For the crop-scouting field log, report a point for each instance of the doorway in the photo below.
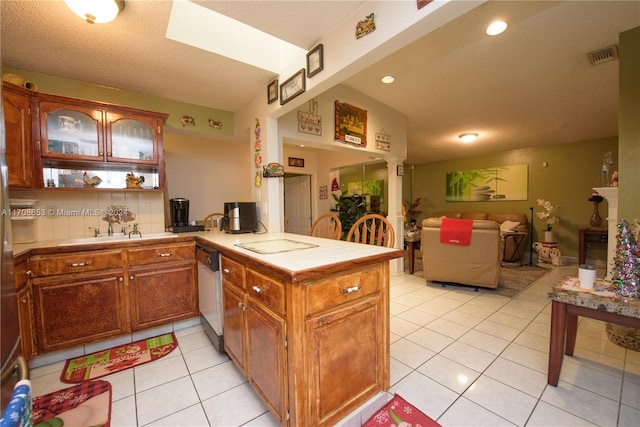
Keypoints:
(297, 203)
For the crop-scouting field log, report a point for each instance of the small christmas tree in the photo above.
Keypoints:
(625, 274)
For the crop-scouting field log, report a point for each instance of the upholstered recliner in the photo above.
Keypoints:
(513, 249)
(477, 264)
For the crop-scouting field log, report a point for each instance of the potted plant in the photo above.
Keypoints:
(549, 218)
(349, 209)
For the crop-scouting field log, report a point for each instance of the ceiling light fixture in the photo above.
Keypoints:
(468, 137)
(496, 27)
(96, 11)
(388, 79)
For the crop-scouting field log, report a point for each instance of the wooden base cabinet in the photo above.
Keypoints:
(76, 309)
(316, 350)
(162, 294)
(80, 297)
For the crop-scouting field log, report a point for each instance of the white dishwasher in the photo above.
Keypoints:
(210, 294)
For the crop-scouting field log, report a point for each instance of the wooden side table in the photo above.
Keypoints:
(519, 238)
(589, 237)
(412, 243)
(567, 305)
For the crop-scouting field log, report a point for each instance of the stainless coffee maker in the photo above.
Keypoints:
(179, 208)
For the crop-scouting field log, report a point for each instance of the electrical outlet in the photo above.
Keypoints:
(52, 212)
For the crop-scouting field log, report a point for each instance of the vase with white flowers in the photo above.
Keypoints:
(549, 217)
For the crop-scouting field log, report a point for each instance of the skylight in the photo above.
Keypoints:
(206, 29)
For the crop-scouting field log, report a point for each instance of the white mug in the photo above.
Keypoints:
(587, 275)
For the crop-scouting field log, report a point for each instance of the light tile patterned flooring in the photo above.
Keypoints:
(464, 358)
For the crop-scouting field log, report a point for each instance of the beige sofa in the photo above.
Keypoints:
(477, 264)
(499, 217)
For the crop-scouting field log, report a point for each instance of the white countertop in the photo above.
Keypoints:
(326, 252)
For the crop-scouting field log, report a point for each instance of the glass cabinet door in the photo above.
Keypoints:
(71, 132)
(131, 139)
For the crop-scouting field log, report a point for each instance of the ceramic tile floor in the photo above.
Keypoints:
(464, 358)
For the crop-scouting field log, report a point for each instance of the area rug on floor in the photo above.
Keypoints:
(86, 404)
(513, 280)
(106, 362)
(399, 412)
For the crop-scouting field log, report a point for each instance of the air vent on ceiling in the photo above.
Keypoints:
(609, 53)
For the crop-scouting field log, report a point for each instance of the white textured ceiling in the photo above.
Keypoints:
(532, 85)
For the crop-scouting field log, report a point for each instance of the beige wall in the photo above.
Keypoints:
(573, 170)
(206, 171)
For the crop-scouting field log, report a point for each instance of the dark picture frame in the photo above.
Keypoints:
(350, 124)
(296, 162)
(315, 60)
(293, 86)
(272, 92)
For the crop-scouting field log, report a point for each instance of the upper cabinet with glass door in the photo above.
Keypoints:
(77, 130)
(71, 132)
(132, 140)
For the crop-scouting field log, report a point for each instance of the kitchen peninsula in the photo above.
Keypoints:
(305, 319)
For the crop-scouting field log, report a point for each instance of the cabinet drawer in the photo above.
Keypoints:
(267, 291)
(233, 271)
(21, 274)
(331, 292)
(75, 262)
(162, 253)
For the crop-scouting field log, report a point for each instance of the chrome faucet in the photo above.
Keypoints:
(96, 231)
(135, 231)
(110, 228)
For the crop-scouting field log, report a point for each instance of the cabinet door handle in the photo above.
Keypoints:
(24, 300)
(165, 254)
(258, 289)
(355, 288)
(26, 273)
(120, 279)
(80, 264)
(101, 153)
(227, 271)
(242, 306)
(131, 277)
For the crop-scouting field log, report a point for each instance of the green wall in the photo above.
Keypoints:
(629, 125)
(175, 109)
(573, 170)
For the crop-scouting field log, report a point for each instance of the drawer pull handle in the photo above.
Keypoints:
(80, 264)
(120, 279)
(258, 289)
(355, 288)
(227, 271)
(165, 254)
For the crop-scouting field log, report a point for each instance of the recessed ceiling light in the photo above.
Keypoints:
(496, 27)
(388, 79)
(468, 137)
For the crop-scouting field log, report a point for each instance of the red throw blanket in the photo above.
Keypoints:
(456, 231)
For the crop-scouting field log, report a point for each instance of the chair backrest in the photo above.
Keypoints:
(327, 225)
(372, 229)
(208, 220)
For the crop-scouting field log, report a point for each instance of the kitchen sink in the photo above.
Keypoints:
(116, 238)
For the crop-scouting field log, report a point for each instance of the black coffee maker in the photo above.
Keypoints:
(179, 212)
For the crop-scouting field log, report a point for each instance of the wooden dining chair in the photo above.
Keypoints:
(208, 220)
(372, 229)
(328, 226)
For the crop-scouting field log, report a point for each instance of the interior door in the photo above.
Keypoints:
(297, 203)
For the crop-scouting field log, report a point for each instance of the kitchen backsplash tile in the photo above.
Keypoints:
(76, 211)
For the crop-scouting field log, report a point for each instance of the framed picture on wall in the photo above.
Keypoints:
(296, 162)
(315, 61)
(351, 124)
(323, 192)
(272, 92)
(292, 87)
